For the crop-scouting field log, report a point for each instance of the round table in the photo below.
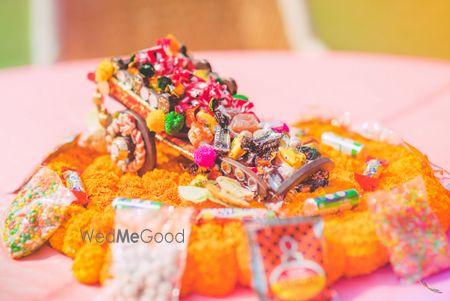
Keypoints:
(42, 106)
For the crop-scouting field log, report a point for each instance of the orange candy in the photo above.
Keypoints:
(199, 133)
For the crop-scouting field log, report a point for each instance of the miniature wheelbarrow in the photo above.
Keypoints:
(132, 145)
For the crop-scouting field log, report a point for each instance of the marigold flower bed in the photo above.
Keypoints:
(217, 253)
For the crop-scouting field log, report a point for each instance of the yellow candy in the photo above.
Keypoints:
(174, 44)
(104, 71)
(179, 90)
(236, 150)
(155, 121)
(292, 157)
(203, 74)
(199, 181)
(207, 120)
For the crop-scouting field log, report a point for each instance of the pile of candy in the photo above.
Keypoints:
(150, 267)
(190, 101)
(409, 229)
(217, 236)
(36, 213)
(290, 253)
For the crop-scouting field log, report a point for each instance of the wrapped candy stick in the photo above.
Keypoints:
(331, 203)
(234, 214)
(345, 145)
(135, 203)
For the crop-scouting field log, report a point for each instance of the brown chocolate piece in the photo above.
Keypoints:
(164, 102)
(231, 85)
(203, 65)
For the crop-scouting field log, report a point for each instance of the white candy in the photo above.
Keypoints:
(148, 271)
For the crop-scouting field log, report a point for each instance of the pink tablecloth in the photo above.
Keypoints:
(42, 106)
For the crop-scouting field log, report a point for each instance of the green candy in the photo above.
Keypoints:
(240, 96)
(147, 70)
(163, 82)
(174, 123)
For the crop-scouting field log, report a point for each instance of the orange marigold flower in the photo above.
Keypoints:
(88, 263)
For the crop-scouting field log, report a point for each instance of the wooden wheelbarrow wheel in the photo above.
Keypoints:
(150, 145)
(132, 146)
(302, 173)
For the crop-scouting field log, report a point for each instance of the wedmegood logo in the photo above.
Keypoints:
(126, 236)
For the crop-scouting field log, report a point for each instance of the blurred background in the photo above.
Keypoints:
(41, 32)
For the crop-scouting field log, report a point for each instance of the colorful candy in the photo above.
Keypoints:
(287, 258)
(135, 203)
(104, 71)
(234, 214)
(267, 142)
(147, 69)
(345, 145)
(174, 123)
(205, 156)
(236, 147)
(193, 101)
(369, 179)
(36, 213)
(310, 152)
(291, 157)
(222, 140)
(199, 133)
(244, 122)
(278, 127)
(313, 182)
(207, 119)
(331, 203)
(149, 265)
(156, 121)
(410, 231)
(74, 183)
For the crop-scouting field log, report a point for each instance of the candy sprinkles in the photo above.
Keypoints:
(36, 213)
(284, 209)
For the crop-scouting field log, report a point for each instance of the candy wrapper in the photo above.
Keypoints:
(410, 231)
(36, 213)
(331, 203)
(148, 265)
(75, 184)
(218, 214)
(287, 259)
(370, 177)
